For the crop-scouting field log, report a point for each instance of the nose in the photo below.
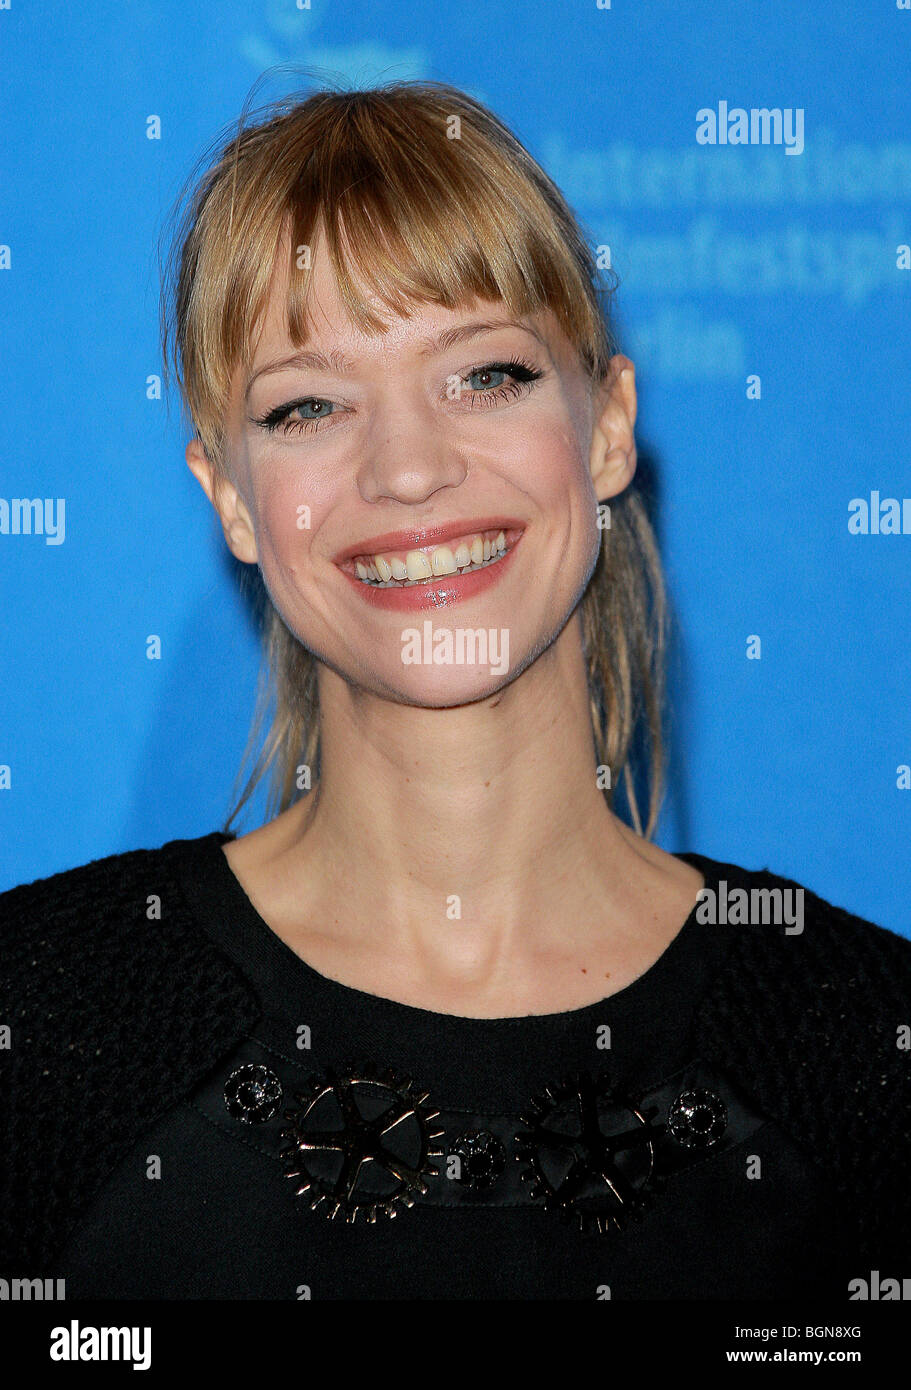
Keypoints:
(409, 456)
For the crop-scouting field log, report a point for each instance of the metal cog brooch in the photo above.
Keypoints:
(589, 1152)
(362, 1141)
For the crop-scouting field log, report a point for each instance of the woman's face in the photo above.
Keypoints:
(392, 454)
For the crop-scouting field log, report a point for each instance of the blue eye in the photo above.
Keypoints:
(522, 374)
(279, 418)
(488, 372)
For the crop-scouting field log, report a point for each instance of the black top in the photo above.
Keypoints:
(524, 1198)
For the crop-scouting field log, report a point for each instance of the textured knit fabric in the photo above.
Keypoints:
(123, 1006)
(115, 1005)
(751, 1217)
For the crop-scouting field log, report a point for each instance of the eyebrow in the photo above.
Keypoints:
(337, 362)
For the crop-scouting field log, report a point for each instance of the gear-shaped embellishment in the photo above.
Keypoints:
(361, 1142)
(252, 1093)
(482, 1158)
(697, 1119)
(589, 1152)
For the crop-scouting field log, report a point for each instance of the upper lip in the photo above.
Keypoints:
(425, 535)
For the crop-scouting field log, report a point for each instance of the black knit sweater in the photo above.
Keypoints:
(119, 1005)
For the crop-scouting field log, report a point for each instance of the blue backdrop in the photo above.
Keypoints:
(764, 295)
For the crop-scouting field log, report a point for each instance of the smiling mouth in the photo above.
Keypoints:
(406, 569)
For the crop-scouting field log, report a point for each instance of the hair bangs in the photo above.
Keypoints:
(416, 193)
(402, 228)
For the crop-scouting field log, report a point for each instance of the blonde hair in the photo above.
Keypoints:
(428, 196)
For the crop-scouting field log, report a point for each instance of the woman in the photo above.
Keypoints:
(446, 983)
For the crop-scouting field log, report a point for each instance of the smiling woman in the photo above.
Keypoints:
(412, 201)
(446, 977)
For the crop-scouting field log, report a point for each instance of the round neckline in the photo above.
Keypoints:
(286, 958)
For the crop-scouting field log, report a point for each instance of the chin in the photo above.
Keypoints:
(445, 687)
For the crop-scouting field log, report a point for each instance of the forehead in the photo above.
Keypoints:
(330, 327)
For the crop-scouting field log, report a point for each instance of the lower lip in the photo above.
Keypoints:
(435, 593)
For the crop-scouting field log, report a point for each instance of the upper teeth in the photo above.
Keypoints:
(436, 560)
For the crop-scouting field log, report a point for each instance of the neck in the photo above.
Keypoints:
(487, 815)
(491, 801)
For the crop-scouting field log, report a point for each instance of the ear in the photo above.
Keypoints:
(613, 451)
(236, 521)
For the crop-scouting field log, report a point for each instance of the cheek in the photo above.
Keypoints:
(549, 454)
(568, 496)
(553, 468)
(289, 511)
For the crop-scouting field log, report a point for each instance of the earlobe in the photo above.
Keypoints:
(612, 471)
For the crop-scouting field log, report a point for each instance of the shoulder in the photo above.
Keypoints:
(122, 910)
(114, 1001)
(99, 882)
(780, 928)
(92, 934)
(810, 1011)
